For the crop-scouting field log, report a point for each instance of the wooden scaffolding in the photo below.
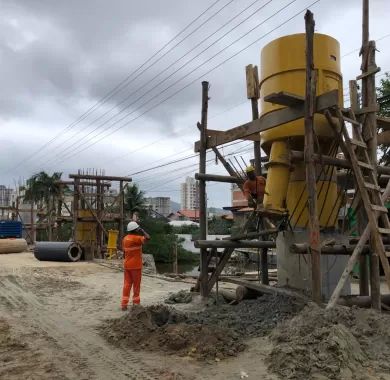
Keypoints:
(359, 159)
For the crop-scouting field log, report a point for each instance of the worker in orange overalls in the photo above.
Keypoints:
(132, 264)
(254, 188)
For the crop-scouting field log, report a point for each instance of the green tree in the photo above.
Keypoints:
(134, 199)
(163, 240)
(383, 95)
(43, 190)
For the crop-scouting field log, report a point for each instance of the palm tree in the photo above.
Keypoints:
(134, 199)
(43, 189)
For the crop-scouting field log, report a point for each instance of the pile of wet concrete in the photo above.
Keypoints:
(215, 333)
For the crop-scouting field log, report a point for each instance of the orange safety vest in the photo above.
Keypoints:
(132, 248)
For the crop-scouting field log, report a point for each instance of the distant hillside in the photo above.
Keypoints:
(175, 206)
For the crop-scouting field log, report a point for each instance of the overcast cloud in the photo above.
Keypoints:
(58, 58)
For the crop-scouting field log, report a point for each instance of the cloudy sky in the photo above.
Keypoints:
(106, 85)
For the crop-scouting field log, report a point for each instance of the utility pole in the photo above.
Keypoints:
(314, 227)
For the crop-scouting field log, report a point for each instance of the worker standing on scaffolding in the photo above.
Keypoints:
(254, 188)
(132, 265)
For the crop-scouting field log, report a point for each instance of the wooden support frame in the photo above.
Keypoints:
(270, 120)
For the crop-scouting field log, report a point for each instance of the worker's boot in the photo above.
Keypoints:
(124, 308)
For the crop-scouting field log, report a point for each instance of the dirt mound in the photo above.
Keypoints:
(161, 328)
(342, 343)
(250, 318)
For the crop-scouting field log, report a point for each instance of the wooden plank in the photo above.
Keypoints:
(368, 109)
(270, 120)
(358, 143)
(311, 180)
(368, 73)
(101, 177)
(252, 82)
(379, 208)
(284, 99)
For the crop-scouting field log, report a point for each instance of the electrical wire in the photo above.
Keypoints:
(118, 87)
(80, 142)
(193, 81)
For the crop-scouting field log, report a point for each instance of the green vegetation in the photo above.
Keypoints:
(163, 241)
(383, 94)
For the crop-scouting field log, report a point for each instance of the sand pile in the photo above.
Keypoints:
(160, 328)
(342, 343)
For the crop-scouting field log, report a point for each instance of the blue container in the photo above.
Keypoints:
(10, 229)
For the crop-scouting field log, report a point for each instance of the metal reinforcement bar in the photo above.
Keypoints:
(203, 244)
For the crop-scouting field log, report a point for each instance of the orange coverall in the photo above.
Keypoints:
(132, 265)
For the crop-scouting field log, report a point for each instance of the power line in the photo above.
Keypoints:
(358, 49)
(120, 86)
(174, 132)
(193, 81)
(80, 143)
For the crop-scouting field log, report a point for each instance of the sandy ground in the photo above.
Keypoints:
(49, 313)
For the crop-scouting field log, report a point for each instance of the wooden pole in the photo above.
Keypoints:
(370, 135)
(175, 267)
(121, 212)
(364, 289)
(253, 93)
(202, 191)
(314, 228)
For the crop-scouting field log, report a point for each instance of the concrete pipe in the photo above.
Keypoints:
(57, 251)
(13, 245)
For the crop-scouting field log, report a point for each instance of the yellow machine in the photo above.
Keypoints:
(283, 69)
(112, 243)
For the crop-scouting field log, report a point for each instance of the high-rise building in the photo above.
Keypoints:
(7, 196)
(161, 205)
(189, 194)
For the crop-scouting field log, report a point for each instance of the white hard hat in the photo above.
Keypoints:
(132, 226)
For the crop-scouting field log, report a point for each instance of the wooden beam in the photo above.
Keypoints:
(297, 156)
(101, 177)
(314, 226)
(383, 138)
(285, 99)
(270, 120)
(252, 235)
(234, 244)
(204, 290)
(383, 122)
(218, 178)
(337, 249)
